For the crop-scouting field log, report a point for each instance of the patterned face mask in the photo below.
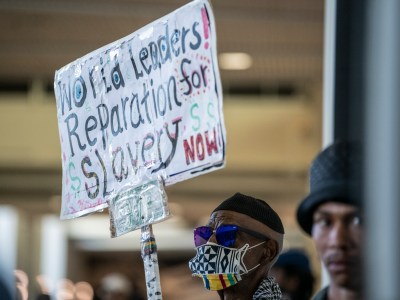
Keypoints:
(220, 267)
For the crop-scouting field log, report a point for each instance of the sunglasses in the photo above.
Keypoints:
(225, 234)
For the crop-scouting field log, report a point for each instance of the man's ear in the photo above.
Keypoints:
(270, 250)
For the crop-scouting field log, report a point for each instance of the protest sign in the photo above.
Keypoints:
(149, 103)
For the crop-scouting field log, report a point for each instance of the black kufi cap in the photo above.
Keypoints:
(254, 208)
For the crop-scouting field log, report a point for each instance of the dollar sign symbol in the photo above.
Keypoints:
(74, 179)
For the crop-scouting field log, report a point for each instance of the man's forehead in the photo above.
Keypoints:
(232, 217)
(227, 216)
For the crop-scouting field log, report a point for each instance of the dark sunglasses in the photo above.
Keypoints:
(225, 234)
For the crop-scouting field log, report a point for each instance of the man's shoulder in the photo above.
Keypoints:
(321, 295)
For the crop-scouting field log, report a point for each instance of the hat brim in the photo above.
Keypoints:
(340, 192)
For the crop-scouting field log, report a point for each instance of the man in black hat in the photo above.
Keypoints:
(331, 215)
(235, 251)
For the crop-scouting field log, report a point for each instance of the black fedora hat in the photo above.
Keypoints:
(334, 176)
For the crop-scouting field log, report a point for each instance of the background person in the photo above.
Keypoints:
(293, 273)
(117, 286)
(332, 215)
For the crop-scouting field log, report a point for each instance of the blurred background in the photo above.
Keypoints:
(273, 117)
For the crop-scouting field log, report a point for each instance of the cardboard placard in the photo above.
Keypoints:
(150, 102)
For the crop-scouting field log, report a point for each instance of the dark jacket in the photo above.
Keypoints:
(322, 294)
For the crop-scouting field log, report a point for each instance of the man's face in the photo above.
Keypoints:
(255, 255)
(257, 258)
(230, 217)
(337, 232)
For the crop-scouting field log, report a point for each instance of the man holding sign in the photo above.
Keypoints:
(140, 113)
(237, 248)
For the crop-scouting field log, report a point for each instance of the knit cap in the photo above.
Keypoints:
(254, 208)
(258, 210)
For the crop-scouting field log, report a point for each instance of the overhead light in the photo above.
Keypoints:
(235, 61)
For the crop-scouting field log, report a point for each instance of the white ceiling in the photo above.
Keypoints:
(284, 37)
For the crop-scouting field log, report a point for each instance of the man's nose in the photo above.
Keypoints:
(213, 239)
(338, 236)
